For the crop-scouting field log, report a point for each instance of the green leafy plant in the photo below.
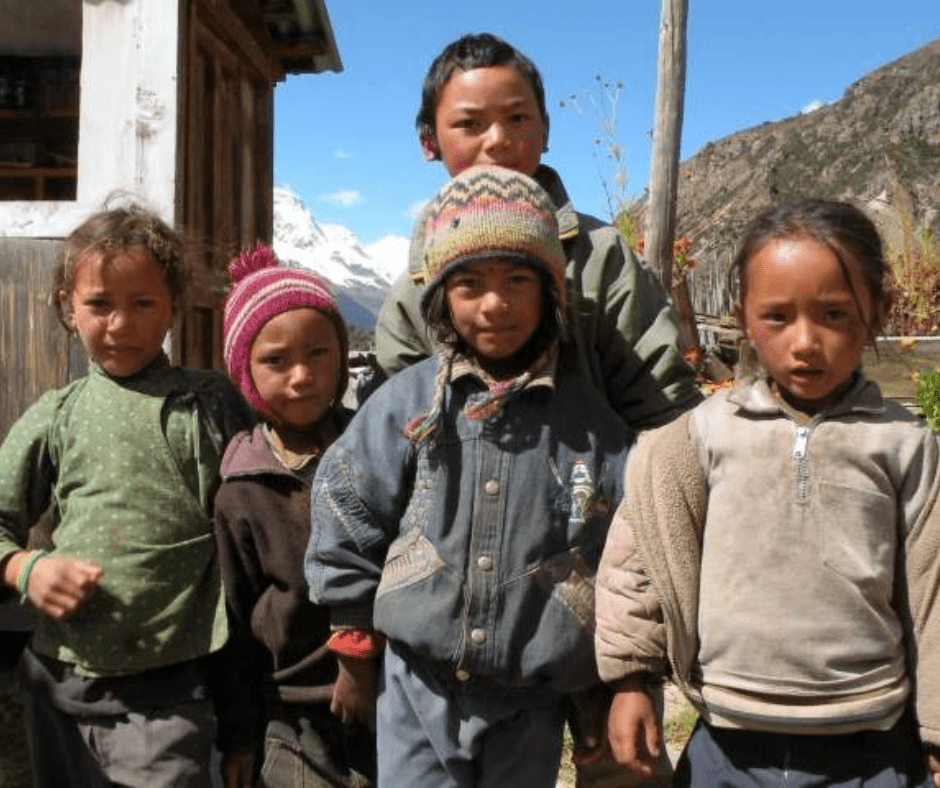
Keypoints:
(927, 396)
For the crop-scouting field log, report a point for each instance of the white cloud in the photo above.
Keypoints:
(339, 153)
(415, 208)
(812, 106)
(344, 197)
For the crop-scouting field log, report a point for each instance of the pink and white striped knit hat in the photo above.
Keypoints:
(261, 290)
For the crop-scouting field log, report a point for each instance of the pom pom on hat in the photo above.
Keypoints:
(252, 260)
(262, 289)
(491, 212)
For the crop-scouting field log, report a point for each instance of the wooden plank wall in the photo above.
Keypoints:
(36, 353)
(227, 168)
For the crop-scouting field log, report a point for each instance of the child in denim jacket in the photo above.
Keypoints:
(462, 513)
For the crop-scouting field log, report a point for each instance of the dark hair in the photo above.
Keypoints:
(476, 50)
(842, 227)
(112, 232)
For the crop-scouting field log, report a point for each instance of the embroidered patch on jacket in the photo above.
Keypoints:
(582, 491)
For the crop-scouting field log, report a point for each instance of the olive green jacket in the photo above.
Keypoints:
(622, 331)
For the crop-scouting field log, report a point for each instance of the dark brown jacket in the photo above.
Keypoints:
(277, 653)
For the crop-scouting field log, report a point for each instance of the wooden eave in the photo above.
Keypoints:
(301, 36)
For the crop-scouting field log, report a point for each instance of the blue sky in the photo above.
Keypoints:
(346, 142)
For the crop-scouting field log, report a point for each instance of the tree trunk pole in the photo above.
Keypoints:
(667, 136)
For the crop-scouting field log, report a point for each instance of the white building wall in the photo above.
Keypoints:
(128, 117)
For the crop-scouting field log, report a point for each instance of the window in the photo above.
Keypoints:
(40, 61)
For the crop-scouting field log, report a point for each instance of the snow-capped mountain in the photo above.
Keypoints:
(359, 275)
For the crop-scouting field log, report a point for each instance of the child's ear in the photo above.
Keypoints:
(65, 310)
(429, 145)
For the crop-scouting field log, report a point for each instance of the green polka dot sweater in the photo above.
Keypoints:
(130, 466)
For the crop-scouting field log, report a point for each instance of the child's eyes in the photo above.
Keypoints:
(97, 304)
(465, 283)
(466, 123)
(522, 278)
(773, 317)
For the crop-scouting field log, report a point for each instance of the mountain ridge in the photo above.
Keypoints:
(878, 146)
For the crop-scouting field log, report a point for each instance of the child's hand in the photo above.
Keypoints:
(634, 732)
(933, 766)
(354, 692)
(237, 770)
(59, 585)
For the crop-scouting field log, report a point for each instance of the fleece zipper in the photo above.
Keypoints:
(800, 452)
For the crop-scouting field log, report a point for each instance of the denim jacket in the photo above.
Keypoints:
(476, 552)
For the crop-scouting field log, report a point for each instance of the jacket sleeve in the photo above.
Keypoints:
(401, 337)
(626, 316)
(27, 474)
(922, 566)
(629, 637)
(359, 493)
(647, 583)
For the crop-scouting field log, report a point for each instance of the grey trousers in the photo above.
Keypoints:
(166, 748)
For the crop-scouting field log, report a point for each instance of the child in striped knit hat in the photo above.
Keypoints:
(461, 515)
(286, 348)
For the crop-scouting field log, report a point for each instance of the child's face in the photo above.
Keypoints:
(121, 308)
(800, 313)
(495, 306)
(295, 365)
(489, 116)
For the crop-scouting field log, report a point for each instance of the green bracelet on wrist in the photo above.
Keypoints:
(26, 569)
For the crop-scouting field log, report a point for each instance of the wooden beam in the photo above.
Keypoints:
(667, 135)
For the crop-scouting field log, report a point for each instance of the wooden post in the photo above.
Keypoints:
(667, 135)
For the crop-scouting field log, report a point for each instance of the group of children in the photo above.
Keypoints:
(423, 592)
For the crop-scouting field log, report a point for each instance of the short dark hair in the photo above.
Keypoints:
(475, 50)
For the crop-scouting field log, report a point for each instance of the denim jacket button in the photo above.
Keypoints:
(485, 563)
(461, 675)
(491, 487)
(478, 636)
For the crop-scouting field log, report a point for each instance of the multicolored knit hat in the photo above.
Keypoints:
(491, 212)
(261, 290)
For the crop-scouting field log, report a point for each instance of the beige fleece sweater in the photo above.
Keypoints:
(650, 578)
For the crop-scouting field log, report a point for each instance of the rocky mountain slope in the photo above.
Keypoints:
(879, 145)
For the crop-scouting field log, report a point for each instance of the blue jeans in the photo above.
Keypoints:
(433, 734)
(724, 758)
